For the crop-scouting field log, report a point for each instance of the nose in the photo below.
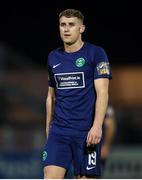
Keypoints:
(66, 28)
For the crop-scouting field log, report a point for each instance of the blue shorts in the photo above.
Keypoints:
(62, 150)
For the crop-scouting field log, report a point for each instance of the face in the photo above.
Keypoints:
(70, 29)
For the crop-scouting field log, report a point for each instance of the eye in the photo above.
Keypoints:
(62, 24)
(71, 24)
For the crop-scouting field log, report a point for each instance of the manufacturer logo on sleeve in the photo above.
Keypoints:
(80, 62)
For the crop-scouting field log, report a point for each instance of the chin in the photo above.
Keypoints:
(68, 42)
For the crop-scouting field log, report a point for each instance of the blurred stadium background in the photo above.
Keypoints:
(27, 35)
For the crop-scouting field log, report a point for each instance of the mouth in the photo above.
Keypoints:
(67, 35)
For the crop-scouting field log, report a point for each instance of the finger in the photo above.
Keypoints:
(97, 140)
(89, 140)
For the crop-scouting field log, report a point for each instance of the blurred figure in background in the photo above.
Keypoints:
(108, 134)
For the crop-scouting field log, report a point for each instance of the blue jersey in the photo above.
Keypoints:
(72, 75)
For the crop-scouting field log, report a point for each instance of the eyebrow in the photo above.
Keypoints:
(67, 23)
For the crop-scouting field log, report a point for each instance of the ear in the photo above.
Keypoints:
(82, 28)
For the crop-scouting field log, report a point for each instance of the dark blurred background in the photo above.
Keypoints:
(28, 32)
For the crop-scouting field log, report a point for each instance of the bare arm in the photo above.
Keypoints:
(50, 101)
(95, 133)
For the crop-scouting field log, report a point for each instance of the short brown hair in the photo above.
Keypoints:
(72, 13)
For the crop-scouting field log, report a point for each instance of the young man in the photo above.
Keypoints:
(77, 100)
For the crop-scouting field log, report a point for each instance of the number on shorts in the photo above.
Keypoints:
(92, 158)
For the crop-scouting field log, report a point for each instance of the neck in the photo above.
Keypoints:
(73, 47)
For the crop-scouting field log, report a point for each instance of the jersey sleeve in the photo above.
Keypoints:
(101, 66)
(51, 80)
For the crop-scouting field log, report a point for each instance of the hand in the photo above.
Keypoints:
(94, 135)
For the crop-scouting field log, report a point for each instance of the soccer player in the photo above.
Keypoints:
(77, 100)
